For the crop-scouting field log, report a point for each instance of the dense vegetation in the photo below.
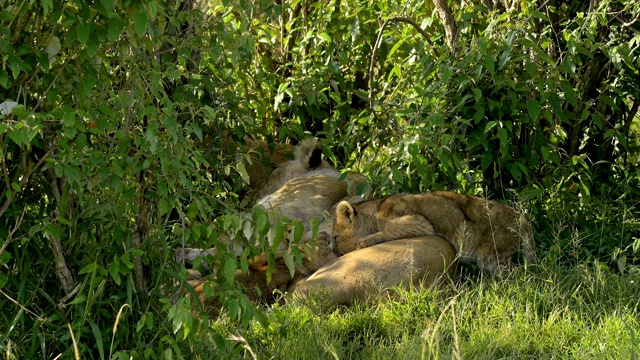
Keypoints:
(122, 137)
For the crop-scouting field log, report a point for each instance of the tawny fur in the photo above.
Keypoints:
(371, 273)
(307, 162)
(303, 188)
(254, 281)
(305, 198)
(480, 230)
(262, 159)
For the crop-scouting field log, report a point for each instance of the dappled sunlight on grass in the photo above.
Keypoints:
(546, 311)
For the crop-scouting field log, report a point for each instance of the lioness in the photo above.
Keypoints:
(307, 162)
(480, 230)
(305, 198)
(301, 188)
(254, 281)
(370, 273)
(269, 157)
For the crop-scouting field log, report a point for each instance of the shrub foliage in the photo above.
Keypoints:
(123, 124)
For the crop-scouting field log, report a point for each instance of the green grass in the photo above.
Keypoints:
(547, 311)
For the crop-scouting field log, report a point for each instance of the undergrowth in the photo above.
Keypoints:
(546, 311)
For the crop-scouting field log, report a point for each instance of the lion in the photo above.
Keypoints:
(284, 192)
(307, 162)
(480, 230)
(305, 198)
(371, 273)
(270, 157)
(256, 287)
(304, 188)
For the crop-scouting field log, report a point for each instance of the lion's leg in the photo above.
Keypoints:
(402, 227)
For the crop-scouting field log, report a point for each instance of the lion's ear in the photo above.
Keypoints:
(345, 212)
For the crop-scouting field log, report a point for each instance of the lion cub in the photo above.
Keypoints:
(480, 230)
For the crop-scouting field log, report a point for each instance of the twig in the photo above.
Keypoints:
(63, 302)
(10, 236)
(22, 307)
(23, 182)
(55, 79)
(379, 41)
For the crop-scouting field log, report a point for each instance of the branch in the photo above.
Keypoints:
(13, 231)
(23, 182)
(22, 307)
(62, 270)
(138, 234)
(379, 41)
(627, 126)
(62, 304)
(449, 23)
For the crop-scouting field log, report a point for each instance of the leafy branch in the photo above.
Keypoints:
(403, 19)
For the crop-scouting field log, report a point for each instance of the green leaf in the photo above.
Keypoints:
(289, 261)
(315, 225)
(490, 63)
(83, 31)
(540, 15)
(533, 106)
(324, 36)
(196, 130)
(247, 229)
(506, 55)
(5, 257)
(276, 235)
(52, 230)
(81, 141)
(88, 268)
(140, 22)
(69, 119)
(396, 71)
(545, 151)
(126, 259)
(230, 268)
(503, 135)
(490, 125)
(262, 223)
(394, 48)
(172, 125)
(47, 5)
(569, 93)
(4, 78)
(6, 15)
(242, 170)
(163, 207)
(115, 28)
(487, 160)
(515, 172)
(114, 270)
(108, 6)
(554, 100)
(298, 230)
(98, 337)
